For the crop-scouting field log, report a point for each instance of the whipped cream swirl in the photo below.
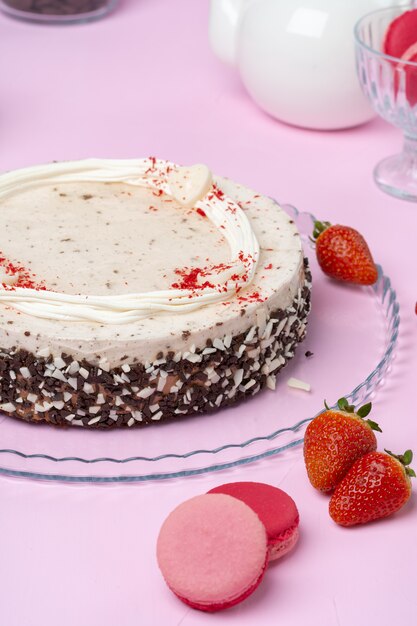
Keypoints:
(131, 307)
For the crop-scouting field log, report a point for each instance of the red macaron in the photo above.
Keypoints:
(276, 510)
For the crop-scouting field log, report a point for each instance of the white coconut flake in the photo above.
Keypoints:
(146, 393)
(58, 375)
(238, 377)
(209, 351)
(7, 406)
(42, 408)
(193, 358)
(218, 343)
(25, 372)
(295, 383)
(280, 326)
(271, 382)
(73, 368)
(250, 335)
(59, 363)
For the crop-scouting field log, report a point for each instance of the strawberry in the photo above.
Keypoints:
(376, 486)
(343, 254)
(334, 440)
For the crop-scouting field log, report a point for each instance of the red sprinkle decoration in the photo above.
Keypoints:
(193, 279)
(201, 212)
(25, 280)
(252, 297)
(190, 278)
(269, 267)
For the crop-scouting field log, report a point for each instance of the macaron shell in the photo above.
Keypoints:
(274, 507)
(212, 551)
(212, 607)
(401, 34)
(285, 544)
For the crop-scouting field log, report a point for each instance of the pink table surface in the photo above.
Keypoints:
(144, 82)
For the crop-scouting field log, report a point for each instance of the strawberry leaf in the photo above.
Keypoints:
(342, 403)
(374, 426)
(364, 410)
(407, 457)
(319, 228)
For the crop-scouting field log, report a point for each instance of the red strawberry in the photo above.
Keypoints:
(343, 254)
(376, 486)
(334, 440)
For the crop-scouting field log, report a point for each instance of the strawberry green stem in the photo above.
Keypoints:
(319, 228)
(363, 411)
(405, 460)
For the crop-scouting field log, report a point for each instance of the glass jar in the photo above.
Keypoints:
(57, 11)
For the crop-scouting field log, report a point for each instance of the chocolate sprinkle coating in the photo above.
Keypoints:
(61, 391)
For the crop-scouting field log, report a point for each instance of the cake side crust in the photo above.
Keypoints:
(65, 392)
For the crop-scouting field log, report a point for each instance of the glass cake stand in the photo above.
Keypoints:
(352, 334)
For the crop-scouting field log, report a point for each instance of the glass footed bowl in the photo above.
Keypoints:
(351, 331)
(390, 83)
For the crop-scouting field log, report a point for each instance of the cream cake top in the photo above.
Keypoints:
(113, 239)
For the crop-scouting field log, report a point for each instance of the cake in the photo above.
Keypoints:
(137, 291)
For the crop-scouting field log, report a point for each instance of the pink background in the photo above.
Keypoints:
(142, 82)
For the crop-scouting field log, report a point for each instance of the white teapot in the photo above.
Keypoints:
(296, 57)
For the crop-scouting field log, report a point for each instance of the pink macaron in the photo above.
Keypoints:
(276, 510)
(212, 551)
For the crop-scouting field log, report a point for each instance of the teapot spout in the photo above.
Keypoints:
(223, 27)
